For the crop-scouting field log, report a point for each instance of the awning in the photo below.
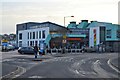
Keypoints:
(76, 35)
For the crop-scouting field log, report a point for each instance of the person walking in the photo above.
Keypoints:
(35, 50)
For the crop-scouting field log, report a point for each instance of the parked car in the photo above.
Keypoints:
(26, 50)
(10, 47)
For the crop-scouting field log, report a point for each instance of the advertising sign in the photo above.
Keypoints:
(94, 31)
(94, 36)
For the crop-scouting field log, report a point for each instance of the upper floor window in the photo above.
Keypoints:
(28, 35)
(39, 34)
(20, 36)
(33, 35)
(43, 34)
(108, 33)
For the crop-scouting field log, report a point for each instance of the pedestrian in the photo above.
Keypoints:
(35, 50)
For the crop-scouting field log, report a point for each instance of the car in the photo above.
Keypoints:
(10, 47)
(26, 50)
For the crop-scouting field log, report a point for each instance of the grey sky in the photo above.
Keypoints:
(19, 11)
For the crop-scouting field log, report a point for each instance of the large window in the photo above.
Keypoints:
(20, 43)
(33, 35)
(28, 35)
(20, 36)
(32, 43)
(28, 43)
(36, 42)
(118, 33)
(39, 34)
(43, 34)
(109, 33)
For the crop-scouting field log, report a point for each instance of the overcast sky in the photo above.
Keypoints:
(13, 12)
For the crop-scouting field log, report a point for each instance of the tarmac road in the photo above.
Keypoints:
(87, 65)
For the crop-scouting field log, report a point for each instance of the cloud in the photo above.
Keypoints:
(18, 11)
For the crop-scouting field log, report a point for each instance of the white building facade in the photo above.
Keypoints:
(31, 37)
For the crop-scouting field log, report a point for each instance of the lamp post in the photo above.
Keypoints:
(64, 37)
(66, 17)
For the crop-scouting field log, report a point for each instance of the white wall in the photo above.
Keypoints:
(25, 35)
(91, 36)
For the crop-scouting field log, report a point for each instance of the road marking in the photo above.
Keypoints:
(15, 73)
(35, 77)
(112, 66)
(77, 71)
(81, 73)
(101, 72)
(96, 61)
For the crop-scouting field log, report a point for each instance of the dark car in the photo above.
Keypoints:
(26, 50)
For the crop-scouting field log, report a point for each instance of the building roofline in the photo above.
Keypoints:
(37, 23)
(44, 23)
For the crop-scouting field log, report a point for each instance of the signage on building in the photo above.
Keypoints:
(64, 41)
(94, 31)
(64, 36)
(72, 39)
(94, 36)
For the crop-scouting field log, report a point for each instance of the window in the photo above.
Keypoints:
(36, 42)
(28, 43)
(28, 35)
(43, 34)
(39, 34)
(118, 33)
(20, 36)
(109, 32)
(32, 43)
(20, 43)
(33, 35)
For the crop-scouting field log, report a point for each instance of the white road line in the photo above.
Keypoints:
(112, 66)
(96, 61)
(77, 71)
(14, 73)
(101, 72)
(35, 77)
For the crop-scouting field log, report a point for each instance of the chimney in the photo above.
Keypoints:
(93, 21)
(73, 22)
(84, 21)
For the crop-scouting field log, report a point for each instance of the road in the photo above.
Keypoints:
(83, 65)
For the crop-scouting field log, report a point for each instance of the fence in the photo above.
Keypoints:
(54, 51)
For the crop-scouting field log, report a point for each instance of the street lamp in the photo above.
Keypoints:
(66, 17)
(64, 36)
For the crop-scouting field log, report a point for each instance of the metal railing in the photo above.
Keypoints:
(54, 51)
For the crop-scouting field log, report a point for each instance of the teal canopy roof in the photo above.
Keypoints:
(83, 25)
(76, 35)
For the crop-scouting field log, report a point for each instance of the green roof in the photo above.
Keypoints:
(83, 25)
